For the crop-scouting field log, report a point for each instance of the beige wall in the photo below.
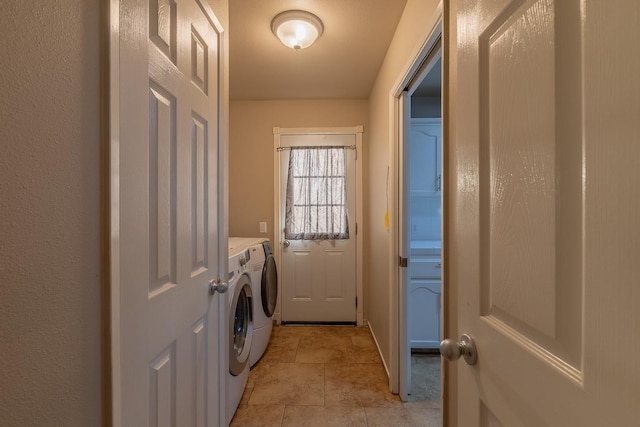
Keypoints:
(50, 321)
(50, 214)
(408, 39)
(251, 196)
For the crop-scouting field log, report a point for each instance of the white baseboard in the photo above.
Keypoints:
(386, 368)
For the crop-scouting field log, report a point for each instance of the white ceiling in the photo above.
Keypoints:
(343, 63)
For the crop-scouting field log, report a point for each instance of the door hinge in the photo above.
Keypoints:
(356, 302)
(356, 228)
(403, 262)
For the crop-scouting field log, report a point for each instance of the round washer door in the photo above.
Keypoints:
(241, 323)
(269, 286)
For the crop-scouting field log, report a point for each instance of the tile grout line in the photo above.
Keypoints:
(324, 385)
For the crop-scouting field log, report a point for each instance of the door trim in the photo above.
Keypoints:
(110, 146)
(277, 235)
(112, 211)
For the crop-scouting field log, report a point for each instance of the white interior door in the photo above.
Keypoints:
(544, 210)
(168, 215)
(404, 233)
(318, 277)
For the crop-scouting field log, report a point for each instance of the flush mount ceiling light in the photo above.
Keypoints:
(297, 29)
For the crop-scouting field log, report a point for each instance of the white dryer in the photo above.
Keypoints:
(264, 278)
(240, 315)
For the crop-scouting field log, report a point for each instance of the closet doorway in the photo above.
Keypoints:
(420, 229)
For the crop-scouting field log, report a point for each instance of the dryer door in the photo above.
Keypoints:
(241, 323)
(269, 286)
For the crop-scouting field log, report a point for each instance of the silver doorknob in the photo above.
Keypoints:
(286, 243)
(217, 286)
(466, 347)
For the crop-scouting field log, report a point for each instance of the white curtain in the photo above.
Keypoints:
(316, 207)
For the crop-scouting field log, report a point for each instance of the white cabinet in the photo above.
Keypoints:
(425, 185)
(424, 302)
(425, 157)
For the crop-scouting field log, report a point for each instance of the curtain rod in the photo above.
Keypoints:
(348, 147)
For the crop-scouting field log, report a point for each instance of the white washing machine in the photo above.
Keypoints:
(240, 298)
(264, 279)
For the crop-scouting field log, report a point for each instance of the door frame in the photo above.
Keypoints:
(110, 212)
(435, 28)
(357, 131)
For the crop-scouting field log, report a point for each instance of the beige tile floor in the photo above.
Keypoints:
(332, 376)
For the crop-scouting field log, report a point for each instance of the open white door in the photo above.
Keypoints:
(544, 210)
(404, 351)
(167, 214)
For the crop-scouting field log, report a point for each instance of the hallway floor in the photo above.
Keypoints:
(333, 376)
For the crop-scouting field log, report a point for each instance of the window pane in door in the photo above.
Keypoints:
(316, 194)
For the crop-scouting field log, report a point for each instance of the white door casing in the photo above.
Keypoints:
(168, 213)
(319, 280)
(544, 211)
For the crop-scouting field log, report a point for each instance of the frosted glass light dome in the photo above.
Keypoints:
(297, 29)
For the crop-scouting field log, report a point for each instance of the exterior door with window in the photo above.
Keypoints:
(318, 229)
(544, 211)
